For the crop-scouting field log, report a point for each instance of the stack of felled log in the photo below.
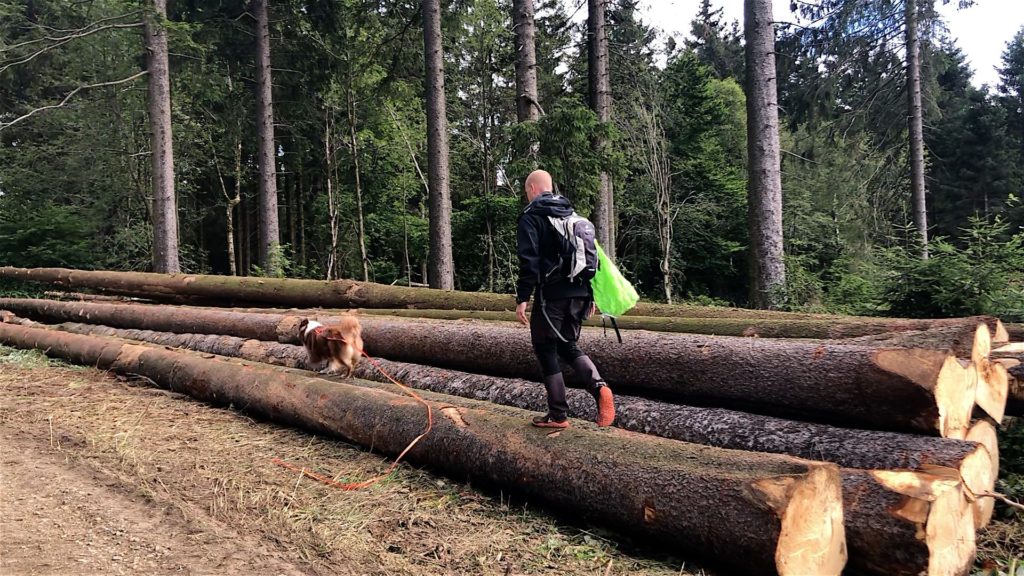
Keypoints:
(789, 443)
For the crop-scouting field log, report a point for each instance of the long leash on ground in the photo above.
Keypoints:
(358, 485)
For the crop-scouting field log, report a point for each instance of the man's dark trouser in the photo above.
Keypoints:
(567, 316)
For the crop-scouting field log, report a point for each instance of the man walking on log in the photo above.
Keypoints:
(563, 300)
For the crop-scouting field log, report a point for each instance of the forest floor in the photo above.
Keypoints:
(100, 474)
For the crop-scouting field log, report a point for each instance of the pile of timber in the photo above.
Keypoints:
(903, 411)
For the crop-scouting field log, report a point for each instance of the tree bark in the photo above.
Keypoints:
(269, 233)
(347, 294)
(851, 330)
(773, 514)
(354, 146)
(442, 267)
(165, 208)
(332, 203)
(601, 104)
(764, 176)
(527, 99)
(915, 129)
(966, 339)
(914, 541)
(230, 202)
(966, 342)
(927, 527)
(896, 389)
(1014, 333)
(849, 448)
(269, 327)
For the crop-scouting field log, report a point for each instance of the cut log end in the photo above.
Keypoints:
(936, 504)
(813, 540)
(955, 391)
(982, 346)
(983, 432)
(977, 472)
(993, 388)
(950, 533)
(1001, 334)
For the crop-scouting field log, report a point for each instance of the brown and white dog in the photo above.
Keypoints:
(340, 344)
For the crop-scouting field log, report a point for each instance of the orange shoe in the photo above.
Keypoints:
(605, 406)
(546, 421)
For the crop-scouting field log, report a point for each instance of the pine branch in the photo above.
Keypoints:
(68, 97)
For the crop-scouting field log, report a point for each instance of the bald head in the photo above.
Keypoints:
(537, 183)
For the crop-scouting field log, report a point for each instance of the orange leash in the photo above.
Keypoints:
(357, 485)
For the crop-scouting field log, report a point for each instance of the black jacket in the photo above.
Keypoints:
(538, 251)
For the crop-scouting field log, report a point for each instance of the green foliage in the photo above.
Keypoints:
(75, 183)
(984, 276)
(47, 235)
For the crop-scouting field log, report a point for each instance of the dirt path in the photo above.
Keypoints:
(60, 516)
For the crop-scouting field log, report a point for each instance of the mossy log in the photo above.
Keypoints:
(349, 294)
(752, 513)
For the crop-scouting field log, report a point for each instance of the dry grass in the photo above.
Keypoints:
(214, 467)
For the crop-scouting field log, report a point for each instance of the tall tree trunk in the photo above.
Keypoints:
(232, 202)
(294, 205)
(405, 204)
(764, 176)
(601, 103)
(527, 100)
(442, 267)
(332, 205)
(915, 125)
(165, 210)
(302, 216)
(269, 233)
(354, 146)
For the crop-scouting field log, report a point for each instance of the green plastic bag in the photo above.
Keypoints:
(613, 294)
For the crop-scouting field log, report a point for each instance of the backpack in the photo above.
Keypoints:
(577, 250)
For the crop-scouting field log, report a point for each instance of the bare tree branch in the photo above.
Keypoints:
(80, 33)
(68, 97)
(62, 42)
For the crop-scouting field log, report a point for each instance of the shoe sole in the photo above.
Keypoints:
(551, 424)
(605, 407)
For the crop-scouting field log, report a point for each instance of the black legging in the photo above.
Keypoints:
(548, 353)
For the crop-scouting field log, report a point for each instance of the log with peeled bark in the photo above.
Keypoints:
(771, 513)
(894, 389)
(849, 448)
(348, 294)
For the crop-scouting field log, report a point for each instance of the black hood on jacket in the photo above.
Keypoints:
(548, 204)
